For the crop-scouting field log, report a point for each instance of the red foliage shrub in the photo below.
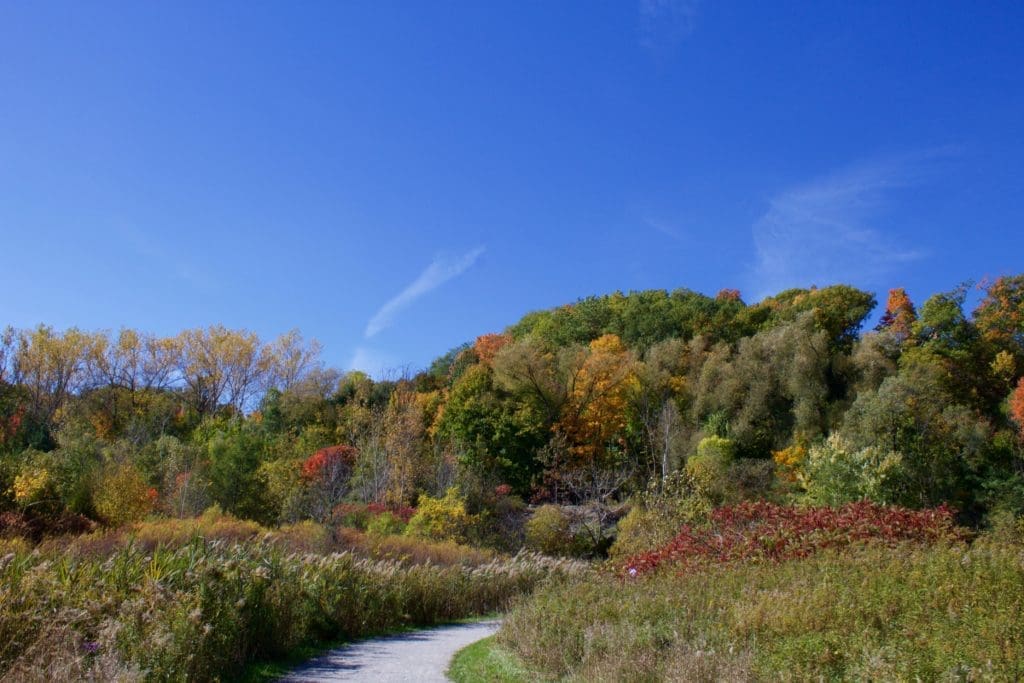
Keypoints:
(764, 531)
(328, 459)
(9, 426)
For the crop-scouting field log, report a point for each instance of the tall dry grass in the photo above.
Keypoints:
(948, 612)
(198, 601)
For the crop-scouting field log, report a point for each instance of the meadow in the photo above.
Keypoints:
(202, 599)
(917, 609)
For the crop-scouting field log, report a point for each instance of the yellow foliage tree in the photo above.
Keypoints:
(597, 410)
(441, 519)
(31, 485)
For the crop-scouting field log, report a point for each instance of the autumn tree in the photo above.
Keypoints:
(662, 384)
(899, 316)
(537, 375)
(403, 442)
(327, 475)
(292, 360)
(595, 416)
(838, 310)
(52, 367)
(728, 295)
(1000, 315)
(487, 347)
(1016, 408)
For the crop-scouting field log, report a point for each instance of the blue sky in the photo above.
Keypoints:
(396, 178)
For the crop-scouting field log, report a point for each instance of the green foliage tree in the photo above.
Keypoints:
(939, 441)
(234, 451)
(495, 436)
(834, 473)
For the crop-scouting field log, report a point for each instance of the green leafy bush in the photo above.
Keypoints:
(549, 530)
(657, 514)
(834, 473)
(709, 466)
(385, 524)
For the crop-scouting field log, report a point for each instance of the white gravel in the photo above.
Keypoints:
(420, 656)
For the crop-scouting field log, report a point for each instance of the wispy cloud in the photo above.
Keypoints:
(834, 229)
(442, 269)
(665, 23)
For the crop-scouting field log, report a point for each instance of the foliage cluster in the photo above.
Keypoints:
(581, 405)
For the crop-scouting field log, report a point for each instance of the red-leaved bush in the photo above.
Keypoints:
(327, 460)
(764, 531)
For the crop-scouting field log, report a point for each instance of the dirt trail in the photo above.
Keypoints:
(421, 656)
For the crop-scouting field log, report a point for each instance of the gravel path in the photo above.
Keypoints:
(420, 656)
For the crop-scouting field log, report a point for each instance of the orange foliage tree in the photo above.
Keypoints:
(1017, 407)
(488, 345)
(899, 314)
(596, 411)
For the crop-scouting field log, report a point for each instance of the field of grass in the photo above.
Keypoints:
(911, 612)
(203, 601)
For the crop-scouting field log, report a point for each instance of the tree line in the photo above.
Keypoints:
(590, 402)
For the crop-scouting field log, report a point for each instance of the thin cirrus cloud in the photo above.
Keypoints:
(441, 270)
(834, 229)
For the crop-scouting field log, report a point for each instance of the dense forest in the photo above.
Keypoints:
(788, 399)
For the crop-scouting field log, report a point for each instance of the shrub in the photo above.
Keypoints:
(386, 524)
(122, 495)
(657, 514)
(32, 484)
(709, 466)
(549, 530)
(764, 531)
(442, 519)
(359, 515)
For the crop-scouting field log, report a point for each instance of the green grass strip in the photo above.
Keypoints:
(486, 660)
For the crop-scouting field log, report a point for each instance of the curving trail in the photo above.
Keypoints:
(420, 656)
